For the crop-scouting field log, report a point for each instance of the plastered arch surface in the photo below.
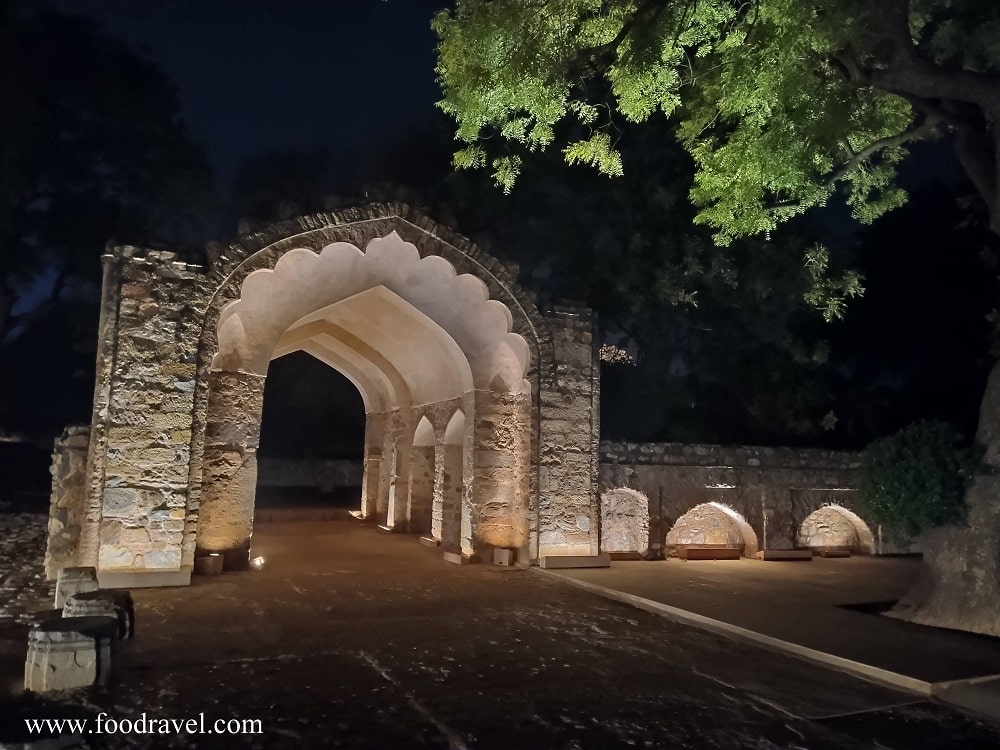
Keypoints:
(713, 523)
(624, 521)
(389, 297)
(836, 526)
(454, 433)
(423, 436)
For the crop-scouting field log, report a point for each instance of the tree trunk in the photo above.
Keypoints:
(960, 587)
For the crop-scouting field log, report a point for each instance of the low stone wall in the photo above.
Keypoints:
(326, 475)
(68, 502)
(774, 489)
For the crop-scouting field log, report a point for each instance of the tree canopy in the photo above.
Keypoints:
(780, 103)
(92, 147)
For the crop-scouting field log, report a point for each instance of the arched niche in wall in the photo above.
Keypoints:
(713, 523)
(834, 526)
(624, 522)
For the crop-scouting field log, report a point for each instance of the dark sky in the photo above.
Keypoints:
(259, 75)
(357, 76)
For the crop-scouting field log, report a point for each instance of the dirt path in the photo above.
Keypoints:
(351, 638)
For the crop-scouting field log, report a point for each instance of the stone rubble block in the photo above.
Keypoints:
(115, 603)
(74, 581)
(71, 652)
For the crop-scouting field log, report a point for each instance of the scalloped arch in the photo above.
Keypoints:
(303, 282)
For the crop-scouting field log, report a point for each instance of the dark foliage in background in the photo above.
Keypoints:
(92, 148)
(915, 479)
(310, 411)
(726, 348)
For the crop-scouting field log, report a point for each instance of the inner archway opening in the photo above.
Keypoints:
(309, 461)
(422, 345)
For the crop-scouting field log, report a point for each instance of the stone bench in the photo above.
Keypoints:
(709, 552)
(634, 555)
(832, 551)
(211, 564)
(115, 603)
(71, 652)
(785, 554)
(73, 581)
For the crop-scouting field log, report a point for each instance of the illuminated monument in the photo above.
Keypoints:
(481, 409)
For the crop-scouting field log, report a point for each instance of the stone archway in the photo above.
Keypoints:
(417, 339)
(836, 526)
(426, 326)
(713, 523)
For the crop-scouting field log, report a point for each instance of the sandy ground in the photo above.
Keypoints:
(829, 605)
(357, 639)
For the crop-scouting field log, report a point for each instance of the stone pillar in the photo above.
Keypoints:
(437, 492)
(387, 469)
(569, 430)
(372, 473)
(229, 484)
(68, 502)
(421, 489)
(501, 466)
(400, 434)
(107, 338)
(452, 483)
(371, 480)
(139, 458)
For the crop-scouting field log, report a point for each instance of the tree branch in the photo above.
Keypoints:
(976, 152)
(627, 27)
(977, 162)
(858, 157)
(898, 66)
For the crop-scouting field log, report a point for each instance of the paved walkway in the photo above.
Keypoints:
(355, 639)
(811, 608)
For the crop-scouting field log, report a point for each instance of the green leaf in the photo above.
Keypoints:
(596, 151)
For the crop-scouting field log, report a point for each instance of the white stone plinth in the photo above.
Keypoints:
(575, 561)
(71, 652)
(74, 581)
(503, 557)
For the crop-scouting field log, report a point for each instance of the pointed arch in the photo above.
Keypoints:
(423, 436)
(836, 526)
(713, 523)
(454, 433)
(304, 286)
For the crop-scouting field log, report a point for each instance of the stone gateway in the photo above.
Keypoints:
(481, 408)
(481, 413)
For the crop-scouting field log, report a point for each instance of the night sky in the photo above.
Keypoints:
(258, 75)
(355, 78)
